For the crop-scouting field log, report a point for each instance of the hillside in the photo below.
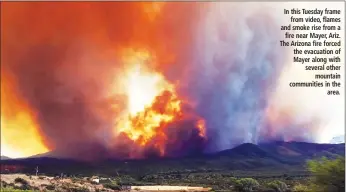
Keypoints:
(285, 155)
(2, 157)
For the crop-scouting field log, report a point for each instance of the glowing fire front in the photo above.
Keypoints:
(19, 127)
(152, 104)
(132, 111)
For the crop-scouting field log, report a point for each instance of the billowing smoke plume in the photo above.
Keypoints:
(66, 60)
(236, 67)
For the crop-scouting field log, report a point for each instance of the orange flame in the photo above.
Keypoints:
(201, 127)
(19, 130)
(152, 9)
(152, 102)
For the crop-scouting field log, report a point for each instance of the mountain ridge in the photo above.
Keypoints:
(292, 148)
(2, 157)
(246, 156)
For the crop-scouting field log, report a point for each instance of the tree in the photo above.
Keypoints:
(328, 175)
(246, 185)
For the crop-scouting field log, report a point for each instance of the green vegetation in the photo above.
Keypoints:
(246, 185)
(328, 175)
(5, 187)
(230, 171)
(322, 175)
(300, 188)
(277, 186)
(11, 189)
(112, 186)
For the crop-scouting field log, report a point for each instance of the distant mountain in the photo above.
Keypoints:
(50, 154)
(244, 150)
(274, 155)
(337, 140)
(300, 148)
(288, 153)
(4, 157)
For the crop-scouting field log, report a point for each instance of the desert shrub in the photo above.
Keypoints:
(50, 187)
(3, 184)
(301, 188)
(112, 186)
(75, 180)
(246, 185)
(264, 189)
(232, 180)
(34, 188)
(104, 181)
(65, 187)
(327, 175)
(11, 189)
(79, 189)
(11, 184)
(289, 178)
(277, 186)
(154, 179)
(23, 187)
(21, 181)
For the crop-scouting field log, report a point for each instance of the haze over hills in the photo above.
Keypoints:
(338, 139)
(243, 157)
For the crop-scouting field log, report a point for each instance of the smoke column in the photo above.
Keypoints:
(66, 63)
(237, 65)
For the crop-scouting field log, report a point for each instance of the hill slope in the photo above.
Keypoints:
(243, 157)
(4, 157)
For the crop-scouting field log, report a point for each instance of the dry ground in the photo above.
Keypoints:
(169, 188)
(41, 182)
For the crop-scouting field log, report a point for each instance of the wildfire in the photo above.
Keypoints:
(152, 102)
(142, 85)
(19, 130)
(201, 127)
(152, 9)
